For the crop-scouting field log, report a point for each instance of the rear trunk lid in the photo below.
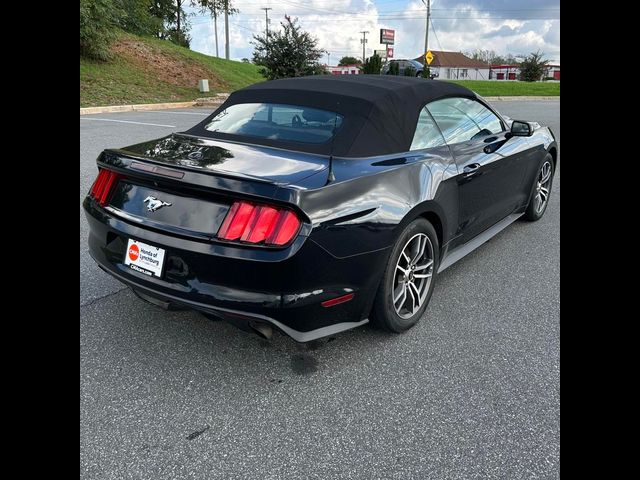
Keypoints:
(264, 164)
(185, 185)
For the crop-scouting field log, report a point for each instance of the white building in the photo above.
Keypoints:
(344, 70)
(512, 72)
(456, 66)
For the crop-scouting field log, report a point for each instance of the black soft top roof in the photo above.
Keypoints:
(380, 111)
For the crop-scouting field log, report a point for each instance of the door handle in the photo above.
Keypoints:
(471, 169)
(490, 139)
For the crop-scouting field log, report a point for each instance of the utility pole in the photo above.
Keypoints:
(226, 29)
(363, 41)
(215, 29)
(328, 59)
(426, 30)
(266, 16)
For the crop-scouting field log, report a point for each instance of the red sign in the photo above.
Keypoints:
(134, 252)
(389, 52)
(387, 36)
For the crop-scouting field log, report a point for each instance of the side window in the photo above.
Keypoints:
(462, 119)
(427, 134)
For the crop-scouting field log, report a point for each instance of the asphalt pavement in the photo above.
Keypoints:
(473, 391)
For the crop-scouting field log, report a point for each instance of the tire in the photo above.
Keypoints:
(535, 210)
(385, 314)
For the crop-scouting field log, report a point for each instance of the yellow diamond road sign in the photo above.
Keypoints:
(429, 57)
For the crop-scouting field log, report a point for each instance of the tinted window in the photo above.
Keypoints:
(427, 134)
(461, 119)
(277, 122)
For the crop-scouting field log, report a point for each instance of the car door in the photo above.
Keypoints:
(491, 166)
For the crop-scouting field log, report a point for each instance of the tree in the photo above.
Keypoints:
(349, 61)
(491, 57)
(410, 71)
(291, 52)
(178, 34)
(98, 21)
(139, 18)
(372, 65)
(486, 56)
(426, 72)
(533, 67)
(163, 12)
(394, 68)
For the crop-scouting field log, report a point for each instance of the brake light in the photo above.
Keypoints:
(102, 186)
(252, 223)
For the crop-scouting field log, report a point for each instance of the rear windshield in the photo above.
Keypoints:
(277, 121)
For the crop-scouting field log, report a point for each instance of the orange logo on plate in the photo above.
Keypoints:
(134, 252)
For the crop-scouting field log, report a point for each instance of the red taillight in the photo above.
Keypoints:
(102, 186)
(259, 224)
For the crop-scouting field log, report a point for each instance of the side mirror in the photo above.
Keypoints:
(521, 129)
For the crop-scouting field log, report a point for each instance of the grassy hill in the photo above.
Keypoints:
(148, 70)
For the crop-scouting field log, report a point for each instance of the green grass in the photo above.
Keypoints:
(128, 79)
(488, 88)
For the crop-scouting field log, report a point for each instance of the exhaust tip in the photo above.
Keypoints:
(262, 329)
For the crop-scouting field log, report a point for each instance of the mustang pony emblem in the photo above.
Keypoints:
(155, 204)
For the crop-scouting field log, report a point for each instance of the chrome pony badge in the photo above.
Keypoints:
(154, 204)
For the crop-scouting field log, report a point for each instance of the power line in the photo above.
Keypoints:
(380, 19)
(436, 35)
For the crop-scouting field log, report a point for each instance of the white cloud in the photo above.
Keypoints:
(459, 26)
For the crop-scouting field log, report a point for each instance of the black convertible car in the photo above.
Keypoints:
(318, 204)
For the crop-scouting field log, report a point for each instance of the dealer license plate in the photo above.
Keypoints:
(144, 258)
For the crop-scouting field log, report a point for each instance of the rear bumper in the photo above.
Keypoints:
(284, 288)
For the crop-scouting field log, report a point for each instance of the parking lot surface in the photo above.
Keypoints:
(471, 392)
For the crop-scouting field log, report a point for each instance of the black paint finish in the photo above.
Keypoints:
(349, 224)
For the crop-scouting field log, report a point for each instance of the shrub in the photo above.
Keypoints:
(372, 65)
(533, 67)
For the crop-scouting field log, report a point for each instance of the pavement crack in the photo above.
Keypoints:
(91, 302)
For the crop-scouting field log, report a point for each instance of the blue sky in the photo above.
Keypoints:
(505, 26)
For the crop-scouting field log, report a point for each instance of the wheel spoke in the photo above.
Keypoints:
(413, 300)
(402, 295)
(412, 286)
(418, 250)
(397, 293)
(403, 270)
(406, 257)
(423, 266)
(422, 275)
(422, 244)
(545, 173)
